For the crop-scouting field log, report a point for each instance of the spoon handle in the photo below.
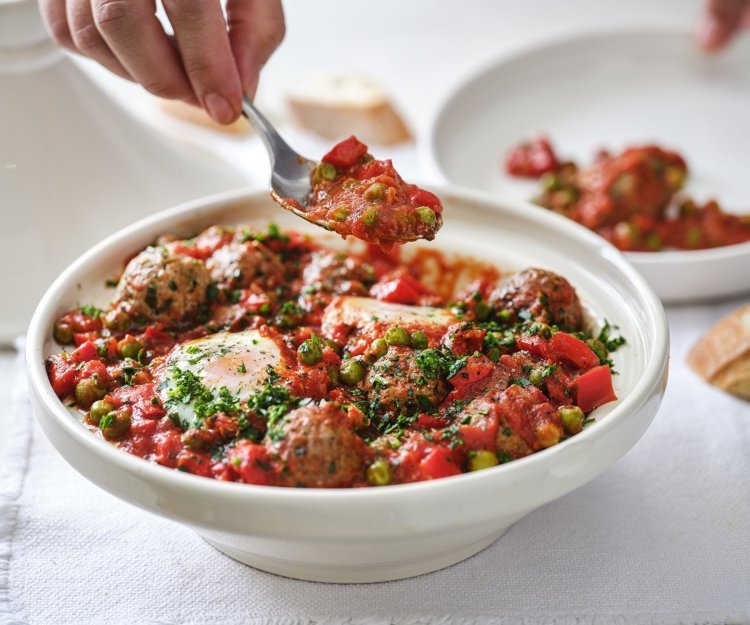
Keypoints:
(276, 146)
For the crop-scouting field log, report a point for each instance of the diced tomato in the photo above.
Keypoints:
(157, 339)
(85, 352)
(438, 463)
(93, 368)
(254, 301)
(574, 350)
(82, 322)
(479, 438)
(168, 445)
(79, 338)
(593, 388)
(531, 160)
(477, 368)
(62, 374)
(194, 462)
(373, 169)
(399, 288)
(421, 197)
(533, 344)
(346, 153)
(463, 340)
(428, 422)
(250, 463)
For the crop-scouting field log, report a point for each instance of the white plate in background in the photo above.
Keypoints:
(612, 90)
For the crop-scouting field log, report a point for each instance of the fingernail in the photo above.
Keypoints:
(219, 108)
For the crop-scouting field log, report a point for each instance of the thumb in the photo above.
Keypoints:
(256, 29)
(718, 22)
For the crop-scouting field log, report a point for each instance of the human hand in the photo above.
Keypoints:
(210, 62)
(719, 21)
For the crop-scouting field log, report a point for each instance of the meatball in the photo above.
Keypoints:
(238, 265)
(546, 296)
(319, 449)
(337, 274)
(159, 285)
(402, 382)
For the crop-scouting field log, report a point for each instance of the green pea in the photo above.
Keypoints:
(396, 336)
(309, 351)
(351, 372)
(378, 348)
(328, 171)
(675, 177)
(376, 191)
(482, 459)
(426, 215)
(88, 391)
(332, 345)
(536, 377)
(131, 350)
(62, 333)
(598, 348)
(419, 340)
(550, 181)
(116, 321)
(340, 213)
(370, 216)
(379, 473)
(482, 310)
(115, 424)
(654, 242)
(98, 409)
(265, 309)
(504, 315)
(572, 418)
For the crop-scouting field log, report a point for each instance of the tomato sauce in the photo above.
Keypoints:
(346, 369)
(632, 199)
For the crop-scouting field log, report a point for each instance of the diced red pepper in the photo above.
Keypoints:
(531, 160)
(346, 153)
(477, 368)
(475, 437)
(79, 338)
(62, 374)
(85, 351)
(533, 344)
(250, 462)
(574, 350)
(438, 463)
(422, 197)
(593, 388)
(93, 368)
(373, 169)
(399, 288)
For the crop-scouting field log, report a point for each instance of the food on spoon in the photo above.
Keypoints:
(268, 358)
(334, 105)
(354, 194)
(632, 199)
(722, 355)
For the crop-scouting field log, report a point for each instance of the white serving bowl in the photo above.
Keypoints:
(612, 89)
(374, 534)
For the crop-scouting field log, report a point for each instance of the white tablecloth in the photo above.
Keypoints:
(661, 537)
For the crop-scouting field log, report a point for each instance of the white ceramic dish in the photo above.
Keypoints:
(374, 534)
(612, 90)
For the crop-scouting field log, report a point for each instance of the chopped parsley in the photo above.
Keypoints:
(91, 311)
(612, 343)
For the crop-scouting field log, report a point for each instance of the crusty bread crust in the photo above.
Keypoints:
(199, 117)
(722, 355)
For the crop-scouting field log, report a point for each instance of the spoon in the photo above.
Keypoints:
(290, 172)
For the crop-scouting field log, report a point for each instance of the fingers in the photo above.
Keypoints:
(138, 41)
(56, 20)
(87, 39)
(719, 21)
(201, 34)
(256, 29)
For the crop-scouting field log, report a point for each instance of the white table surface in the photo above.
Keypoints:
(418, 49)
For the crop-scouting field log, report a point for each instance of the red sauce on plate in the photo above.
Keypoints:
(267, 358)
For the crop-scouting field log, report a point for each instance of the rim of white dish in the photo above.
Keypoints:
(429, 151)
(42, 320)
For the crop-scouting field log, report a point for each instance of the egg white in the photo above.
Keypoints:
(239, 361)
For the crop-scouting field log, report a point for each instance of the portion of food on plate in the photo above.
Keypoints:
(631, 199)
(268, 358)
(354, 194)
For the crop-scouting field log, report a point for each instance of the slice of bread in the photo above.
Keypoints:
(722, 355)
(195, 115)
(337, 105)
